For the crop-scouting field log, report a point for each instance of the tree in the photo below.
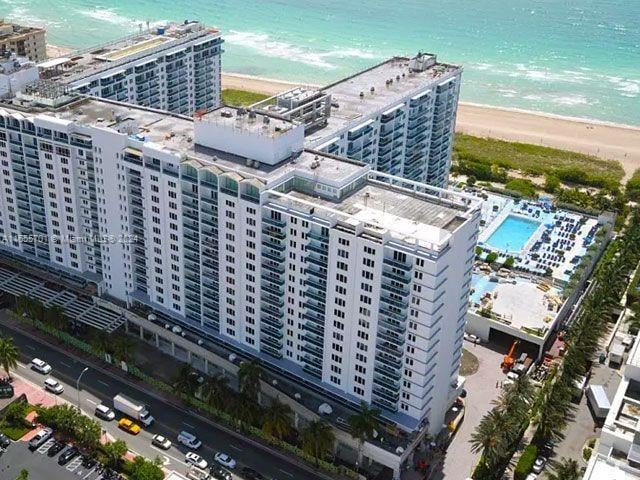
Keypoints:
(488, 438)
(9, 354)
(16, 412)
(143, 469)
(216, 392)
(186, 380)
(124, 348)
(244, 409)
(363, 424)
(114, 452)
(249, 375)
(565, 469)
(277, 419)
(317, 439)
(24, 474)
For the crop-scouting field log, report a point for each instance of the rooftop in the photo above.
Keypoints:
(248, 121)
(83, 63)
(8, 30)
(602, 467)
(373, 90)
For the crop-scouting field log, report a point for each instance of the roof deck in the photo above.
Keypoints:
(84, 63)
(371, 91)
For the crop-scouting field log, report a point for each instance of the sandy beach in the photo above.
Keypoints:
(609, 141)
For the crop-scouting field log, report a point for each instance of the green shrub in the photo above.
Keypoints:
(586, 453)
(522, 186)
(491, 257)
(551, 183)
(479, 250)
(508, 263)
(633, 187)
(525, 463)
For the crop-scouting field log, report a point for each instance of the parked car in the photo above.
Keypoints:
(470, 337)
(195, 459)
(225, 460)
(105, 413)
(6, 389)
(161, 442)
(532, 476)
(189, 440)
(4, 441)
(55, 449)
(53, 386)
(219, 473)
(66, 456)
(40, 437)
(513, 376)
(129, 426)
(40, 366)
(539, 464)
(251, 474)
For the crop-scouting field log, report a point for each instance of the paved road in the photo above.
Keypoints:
(99, 387)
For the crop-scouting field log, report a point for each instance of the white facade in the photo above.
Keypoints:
(618, 449)
(174, 68)
(15, 74)
(353, 280)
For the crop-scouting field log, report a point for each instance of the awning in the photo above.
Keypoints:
(54, 62)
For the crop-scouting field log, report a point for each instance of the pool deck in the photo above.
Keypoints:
(518, 301)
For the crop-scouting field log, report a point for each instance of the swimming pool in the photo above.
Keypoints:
(512, 234)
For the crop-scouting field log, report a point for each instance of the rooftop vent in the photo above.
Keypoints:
(226, 113)
(266, 120)
(361, 94)
(372, 90)
(252, 116)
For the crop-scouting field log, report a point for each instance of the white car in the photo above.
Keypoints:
(195, 459)
(40, 366)
(513, 376)
(53, 386)
(225, 460)
(470, 337)
(539, 464)
(189, 440)
(161, 442)
(105, 413)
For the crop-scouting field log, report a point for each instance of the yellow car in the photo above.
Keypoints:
(129, 426)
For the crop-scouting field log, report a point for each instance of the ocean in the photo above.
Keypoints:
(578, 58)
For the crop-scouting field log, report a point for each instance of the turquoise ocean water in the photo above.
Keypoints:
(568, 57)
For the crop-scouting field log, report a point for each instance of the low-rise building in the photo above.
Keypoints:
(22, 40)
(15, 74)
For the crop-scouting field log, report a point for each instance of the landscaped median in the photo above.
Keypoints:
(241, 410)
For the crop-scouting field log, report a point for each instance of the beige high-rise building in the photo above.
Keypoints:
(23, 41)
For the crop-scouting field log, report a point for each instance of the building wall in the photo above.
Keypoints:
(30, 43)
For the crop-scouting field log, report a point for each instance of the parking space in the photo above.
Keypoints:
(43, 467)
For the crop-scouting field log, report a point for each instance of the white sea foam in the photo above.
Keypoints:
(109, 15)
(22, 15)
(571, 100)
(279, 49)
(480, 66)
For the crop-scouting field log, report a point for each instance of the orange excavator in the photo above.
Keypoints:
(509, 359)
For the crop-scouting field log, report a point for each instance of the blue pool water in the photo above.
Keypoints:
(512, 234)
(481, 285)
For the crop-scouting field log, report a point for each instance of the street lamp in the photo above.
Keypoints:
(78, 385)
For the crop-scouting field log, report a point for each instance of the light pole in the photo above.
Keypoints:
(78, 385)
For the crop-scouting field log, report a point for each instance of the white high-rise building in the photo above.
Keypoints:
(398, 116)
(174, 67)
(354, 280)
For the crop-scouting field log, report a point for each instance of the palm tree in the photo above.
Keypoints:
(489, 438)
(565, 469)
(9, 354)
(277, 419)
(363, 424)
(215, 390)
(124, 348)
(244, 409)
(24, 474)
(317, 439)
(249, 377)
(186, 380)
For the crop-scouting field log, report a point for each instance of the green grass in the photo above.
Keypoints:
(569, 167)
(469, 363)
(633, 186)
(15, 433)
(241, 98)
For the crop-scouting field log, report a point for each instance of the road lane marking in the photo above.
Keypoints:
(286, 473)
(90, 473)
(65, 364)
(167, 456)
(30, 347)
(103, 383)
(91, 401)
(188, 425)
(231, 445)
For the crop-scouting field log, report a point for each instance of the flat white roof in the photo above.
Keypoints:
(600, 396)
(601, 468)
(54, 62)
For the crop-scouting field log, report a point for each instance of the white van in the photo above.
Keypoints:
(40, 366)
(53, 386)
(189, 440)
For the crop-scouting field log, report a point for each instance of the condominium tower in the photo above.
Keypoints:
(175, 67)
(354, 280)
(398, 116)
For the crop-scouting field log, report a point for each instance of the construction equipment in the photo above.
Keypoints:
(509, 359)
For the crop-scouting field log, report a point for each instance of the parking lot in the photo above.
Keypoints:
(40, 466)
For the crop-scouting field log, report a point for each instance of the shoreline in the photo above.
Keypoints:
(606, 140)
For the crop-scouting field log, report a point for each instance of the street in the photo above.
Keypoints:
(99, 387)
